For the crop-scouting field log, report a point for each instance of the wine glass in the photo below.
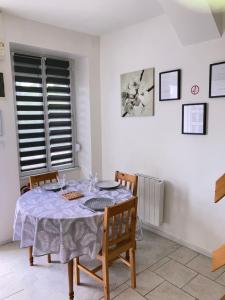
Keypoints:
(62, 181)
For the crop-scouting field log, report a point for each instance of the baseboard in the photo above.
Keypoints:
(5, 242)
(174, 239)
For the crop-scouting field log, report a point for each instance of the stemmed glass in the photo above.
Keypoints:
(62, 181)
(93, 179)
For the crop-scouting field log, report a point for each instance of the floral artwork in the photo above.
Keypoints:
(137, 93)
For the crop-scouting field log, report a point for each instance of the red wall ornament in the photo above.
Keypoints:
(195, 89)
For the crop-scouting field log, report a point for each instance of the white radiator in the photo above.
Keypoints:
(150, 199)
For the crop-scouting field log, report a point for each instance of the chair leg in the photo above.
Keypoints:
(77, 271)
(70, 277)
(31, 260)
(49, 258)
(132, 268)
(127, 256)
(105, 273)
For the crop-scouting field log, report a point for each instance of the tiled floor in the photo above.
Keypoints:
(166, 271)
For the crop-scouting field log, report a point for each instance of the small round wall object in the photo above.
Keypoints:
(195, 89)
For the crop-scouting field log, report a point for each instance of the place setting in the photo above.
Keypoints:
(93, 194)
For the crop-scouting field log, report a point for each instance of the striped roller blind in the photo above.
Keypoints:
(44, 116)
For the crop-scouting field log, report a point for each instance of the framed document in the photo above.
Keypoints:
(2, 90)
(1, 132)
(194, 118)
(217, 80)
(169, 85)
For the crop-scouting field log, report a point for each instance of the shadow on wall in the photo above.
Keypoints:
(176, 210)
(179, 212)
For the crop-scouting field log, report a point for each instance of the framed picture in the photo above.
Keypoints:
(194, 118)
(2, 89)
(137, 93)
(1, 131)
(217, 80)
(169, 85)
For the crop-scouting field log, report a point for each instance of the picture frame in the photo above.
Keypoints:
(194, 118)
(217, 80)
(2, 89)
(170, 85)
(137, 93)
(1, 129)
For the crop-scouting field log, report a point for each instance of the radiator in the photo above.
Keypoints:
(150, 200)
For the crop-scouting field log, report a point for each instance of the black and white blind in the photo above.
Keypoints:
(44, 115)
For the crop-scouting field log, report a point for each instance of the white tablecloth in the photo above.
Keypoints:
(51, 224)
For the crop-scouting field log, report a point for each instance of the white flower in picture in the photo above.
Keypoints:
(137, 93)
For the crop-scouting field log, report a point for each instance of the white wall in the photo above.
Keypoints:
(154, 145)
(84, 49)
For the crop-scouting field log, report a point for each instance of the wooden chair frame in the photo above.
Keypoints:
(37, 180)
(118, 238)
(130, 181)
(218, 256)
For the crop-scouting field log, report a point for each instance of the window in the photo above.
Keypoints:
(44, 113)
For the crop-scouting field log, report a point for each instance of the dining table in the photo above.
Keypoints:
(52, 224)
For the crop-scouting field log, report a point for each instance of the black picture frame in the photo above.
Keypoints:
(203, 119)
(210, 80)
(2, 89)
(178, 83)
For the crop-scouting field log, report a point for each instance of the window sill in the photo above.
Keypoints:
(25, 178)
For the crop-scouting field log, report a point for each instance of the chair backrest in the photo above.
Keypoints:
(130, 181)
(120, 225)
(220, 188)
(37, 180)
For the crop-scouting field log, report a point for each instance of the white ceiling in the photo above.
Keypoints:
(91, 16)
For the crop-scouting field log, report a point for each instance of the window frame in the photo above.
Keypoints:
(49, 168)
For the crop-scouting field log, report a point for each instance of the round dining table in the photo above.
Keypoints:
(51, 224)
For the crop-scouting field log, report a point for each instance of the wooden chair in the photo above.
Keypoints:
(35, 181)
(218, 256)
(119, 228)
(130, 181)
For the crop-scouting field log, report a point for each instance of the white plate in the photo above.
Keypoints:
(99, 204)
(107, 184)
(54, 186)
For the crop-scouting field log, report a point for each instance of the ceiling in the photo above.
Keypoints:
(95, 17)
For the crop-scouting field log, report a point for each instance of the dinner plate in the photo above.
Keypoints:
(107, 184)
(53, 186)
(99, 204)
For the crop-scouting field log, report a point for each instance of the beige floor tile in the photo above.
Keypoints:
(202, 265)
(152, 249)
(11, 283)
(204, 289)
(20, 295)
(19, 281)
(183, 255)
(48, 295)
(221, 279)
(117, 291)
(157, 265)
(167, 291)
(147, 281)
(176, 273)
(129, 294)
